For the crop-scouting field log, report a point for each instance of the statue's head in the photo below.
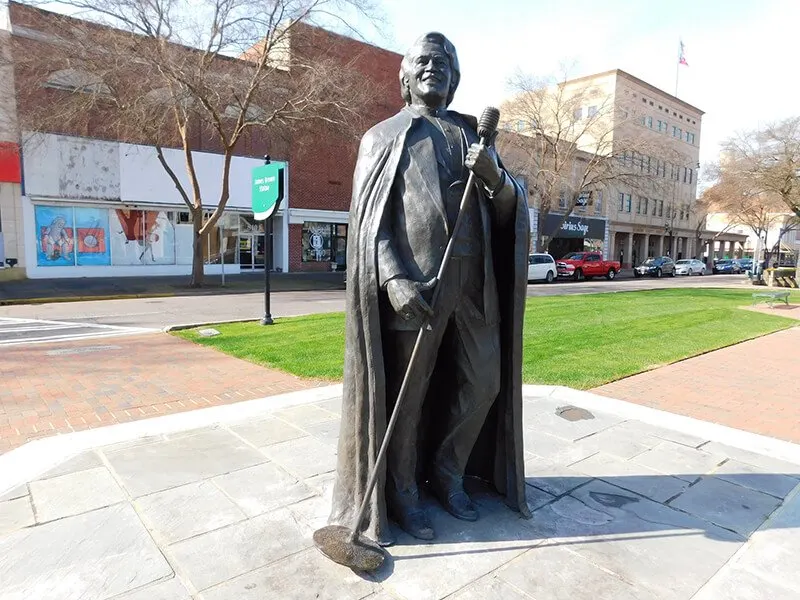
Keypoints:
(429, 72)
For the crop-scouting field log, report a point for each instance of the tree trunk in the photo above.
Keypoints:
(197, 250)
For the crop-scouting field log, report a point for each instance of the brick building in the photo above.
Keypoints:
(78, 201)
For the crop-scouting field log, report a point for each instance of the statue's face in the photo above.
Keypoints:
(429, 75)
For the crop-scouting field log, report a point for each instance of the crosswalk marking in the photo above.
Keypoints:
(42, 331)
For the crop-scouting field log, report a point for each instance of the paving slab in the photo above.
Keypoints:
(81, 462)
(304, 457)
(162, 465)
(192, 509)
(727, 505)
(16, 514)
(17, 492)
(99, 554)
(223, 554)
(293, 578)
(756, 478)
(632, 476)
(262, 488)
(680, 461)
(74, 494)
(264, 432)
(172, 589)
(228, 510)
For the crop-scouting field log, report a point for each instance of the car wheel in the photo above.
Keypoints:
(636, 274)
(579, 275)
(659, 273)
(611, 274)
(702, 271)
(672, 273)
(550, 277)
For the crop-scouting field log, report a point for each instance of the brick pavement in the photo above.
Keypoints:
(47, 389)
(750, 386)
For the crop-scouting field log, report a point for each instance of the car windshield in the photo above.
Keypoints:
(723, 262)
(650, 261)
(573, 256)
(683, 262)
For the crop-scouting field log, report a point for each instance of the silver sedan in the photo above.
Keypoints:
(690, 266)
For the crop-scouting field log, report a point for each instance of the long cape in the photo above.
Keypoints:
(498, 453)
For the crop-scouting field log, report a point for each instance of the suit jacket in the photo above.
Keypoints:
(414, 230)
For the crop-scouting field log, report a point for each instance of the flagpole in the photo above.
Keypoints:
(677, 75)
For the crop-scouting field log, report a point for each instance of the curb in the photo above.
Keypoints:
(171, 328)
(62, 299)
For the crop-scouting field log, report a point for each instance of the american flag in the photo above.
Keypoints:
(682, 56)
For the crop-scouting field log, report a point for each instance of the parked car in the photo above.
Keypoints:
(541, 267)
(745, 264)
(656, 267)
(585, 265)
(727, 265)
(690, 266)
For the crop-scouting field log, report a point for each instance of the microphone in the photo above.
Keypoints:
(487, 124)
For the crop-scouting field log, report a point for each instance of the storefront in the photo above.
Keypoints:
(93, 208)
(575, 233)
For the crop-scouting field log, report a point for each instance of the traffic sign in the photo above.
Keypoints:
(267, 190)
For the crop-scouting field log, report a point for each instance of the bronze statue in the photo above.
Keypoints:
(463, 408)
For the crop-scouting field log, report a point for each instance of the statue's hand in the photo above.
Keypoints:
(407, 300)
(484, 164)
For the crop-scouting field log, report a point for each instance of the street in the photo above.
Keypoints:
(179, 310)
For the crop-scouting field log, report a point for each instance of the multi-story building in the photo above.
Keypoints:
(78, 201)
(650, 207)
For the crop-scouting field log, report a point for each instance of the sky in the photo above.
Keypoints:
(744, 67)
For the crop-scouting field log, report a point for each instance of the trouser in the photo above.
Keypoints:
(472, 351)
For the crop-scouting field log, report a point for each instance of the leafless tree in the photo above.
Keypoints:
(572, 144)
(219, 74)
(769, 160)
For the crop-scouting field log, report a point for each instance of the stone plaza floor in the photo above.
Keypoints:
(220, 503)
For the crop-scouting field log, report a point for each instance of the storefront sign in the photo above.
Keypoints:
(574, 227)
(267, 190)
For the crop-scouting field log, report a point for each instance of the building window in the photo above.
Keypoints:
(655, 206)
(685, 175)
(562, 199)
(660, 208)
(578, 114)
(592, 111)
(649, 122)
(691, 175)
(520, 125)
(598, 201)
(662, 126)
(676, 132)
(641, 208)
(625, 202)
(681, 215)
(324, 242)
(690, 138)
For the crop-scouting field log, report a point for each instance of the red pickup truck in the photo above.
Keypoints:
(585, 265)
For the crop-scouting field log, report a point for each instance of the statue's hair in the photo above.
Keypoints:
(449, 49)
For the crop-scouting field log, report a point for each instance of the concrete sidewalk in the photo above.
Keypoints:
(95, 288)
(629, 504)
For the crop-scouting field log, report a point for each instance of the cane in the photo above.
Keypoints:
(342, 544)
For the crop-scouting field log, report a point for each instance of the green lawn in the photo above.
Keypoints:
(580, 341)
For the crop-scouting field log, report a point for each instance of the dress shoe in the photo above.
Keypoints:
(416, 524)
(460, 506)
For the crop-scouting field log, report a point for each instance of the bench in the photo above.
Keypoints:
(771, 297)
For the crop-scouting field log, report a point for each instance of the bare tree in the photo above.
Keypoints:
(192, 74)
(769, 160)
(569, 145)
(744, 203)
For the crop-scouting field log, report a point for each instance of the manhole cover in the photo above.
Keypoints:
(84, 350)
(573, 413)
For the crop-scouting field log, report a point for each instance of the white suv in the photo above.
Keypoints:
(541, 267)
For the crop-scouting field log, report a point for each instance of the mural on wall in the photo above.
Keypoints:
(91, 228)
(142, 237)
(55, 240)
